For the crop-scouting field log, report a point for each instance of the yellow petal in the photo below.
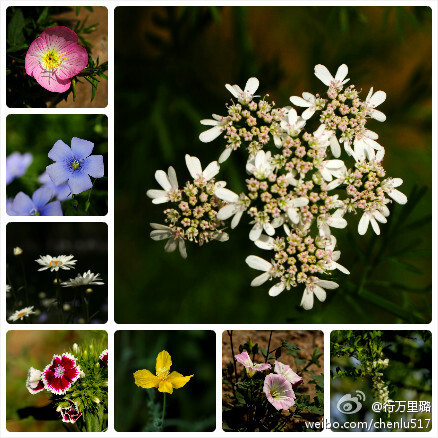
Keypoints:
(146, 379)
(165, 386)
(163, 362)
(178, 380)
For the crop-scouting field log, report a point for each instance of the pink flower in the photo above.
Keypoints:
(60, 375)
(104, 357)
(71, 414)
(279, 391)
(34, 384)
(286, 371)
(55, 57)
(251, 368)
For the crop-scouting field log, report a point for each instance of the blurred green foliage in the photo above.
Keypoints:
(37, 133)
(24, 25)
(409, 375)
(35, 348)
(191, 408)
(183, 58)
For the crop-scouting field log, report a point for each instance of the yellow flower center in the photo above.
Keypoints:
(21, 314)
(55, 262)
(52, 59)
(75, 164)
(162, 373)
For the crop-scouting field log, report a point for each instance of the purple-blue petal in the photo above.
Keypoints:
(52, 209)
(16, 165)
(41, 197)
(22, 205)
(61, 192)
(81, 148)
(60, 152)
(79, 182)
(59, 173)
(94, 166)
(9, 210)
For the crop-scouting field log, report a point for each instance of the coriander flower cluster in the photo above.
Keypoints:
(305, 176)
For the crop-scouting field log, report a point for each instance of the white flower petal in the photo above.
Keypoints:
(163, 180)
(236, 219)
(341, 74)
(307, 300)
(327, 284)
(160, 235)
(256, 262)
(251, 85)
(255, 232)
(308, 113)
(322, 73)
(363, 223)
(379, 216)
(375, 225)
(335, 147)
(319, 292)
(276, 289)
(265, 242)
(378, 115)
(210, 134)
(398, 196)
(377, 98)
(225, 155)
(194, 166)
(157, 194)
(226, 212)
(172, 177)
(182, 248)
(211, 170)
(171, 245)
(226, 195)
(258, 281)
(299, 101)
(234, 90)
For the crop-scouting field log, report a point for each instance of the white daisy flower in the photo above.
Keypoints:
(195, 169)
(260, 165)
(322, 73)
(163, 232)
(236, 206)
(372, 101)
(335, 220)
(218, 123)
(244, 97)
(88, 278)
(169, 183)
(317, 287)
(388, 186)
(56, 263)
(371, 216)
(20, 314)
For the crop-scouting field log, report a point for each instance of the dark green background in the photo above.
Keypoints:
(171, 67)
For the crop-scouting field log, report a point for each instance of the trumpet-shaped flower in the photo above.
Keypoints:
(88, 278)
(20, 314)
(279, 391)
(317, 287)
(286, 371)
(34, 383)
(75, 165)
(56, 263)
(251, 368)
(169, 183)
(163, 379)
(244, 96)
(55, 57)
(39, 205)
(16, 165)
(61, 373)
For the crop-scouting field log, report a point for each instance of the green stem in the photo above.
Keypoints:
(59, 297)
(230, 334)
(267, 350)
(85, 306)
(26, 294)
(14, 293)
(164, 411)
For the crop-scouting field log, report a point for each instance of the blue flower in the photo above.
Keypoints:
(61, 192)
(39, 205)
(75, 165)
(16, 165)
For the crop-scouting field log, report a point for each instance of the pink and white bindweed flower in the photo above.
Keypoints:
(372, 101)
(316, 287)
(34, 383)
(55, 57)
(251, 368)
(323, 74)
(279, 391)
(286, 371)
(169, 183)
(218, 125)
(244, 96)
(61, 373)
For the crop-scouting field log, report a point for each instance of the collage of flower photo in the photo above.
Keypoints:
(217, 218)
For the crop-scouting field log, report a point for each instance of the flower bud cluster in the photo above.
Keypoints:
(194, 216)
(374, 369)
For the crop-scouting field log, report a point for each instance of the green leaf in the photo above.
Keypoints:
(42, 19)
(15, 29)
(17, 48)
(290, 348)
(300, 362)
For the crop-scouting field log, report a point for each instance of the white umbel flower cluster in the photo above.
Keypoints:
(301, 184)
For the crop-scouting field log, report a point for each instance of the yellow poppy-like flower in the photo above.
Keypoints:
(164, 380)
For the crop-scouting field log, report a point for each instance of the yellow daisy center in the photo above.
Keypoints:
(21, 314)
(55, 262)
(52, 59)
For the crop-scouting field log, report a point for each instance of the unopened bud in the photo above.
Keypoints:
(17, 251)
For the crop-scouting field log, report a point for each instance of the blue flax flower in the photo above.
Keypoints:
(16, 165)
(75, 165)
(39, 205)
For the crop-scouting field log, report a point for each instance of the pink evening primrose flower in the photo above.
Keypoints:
(279, 391)
(55, 57)
(286, 371)
(251, 368)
